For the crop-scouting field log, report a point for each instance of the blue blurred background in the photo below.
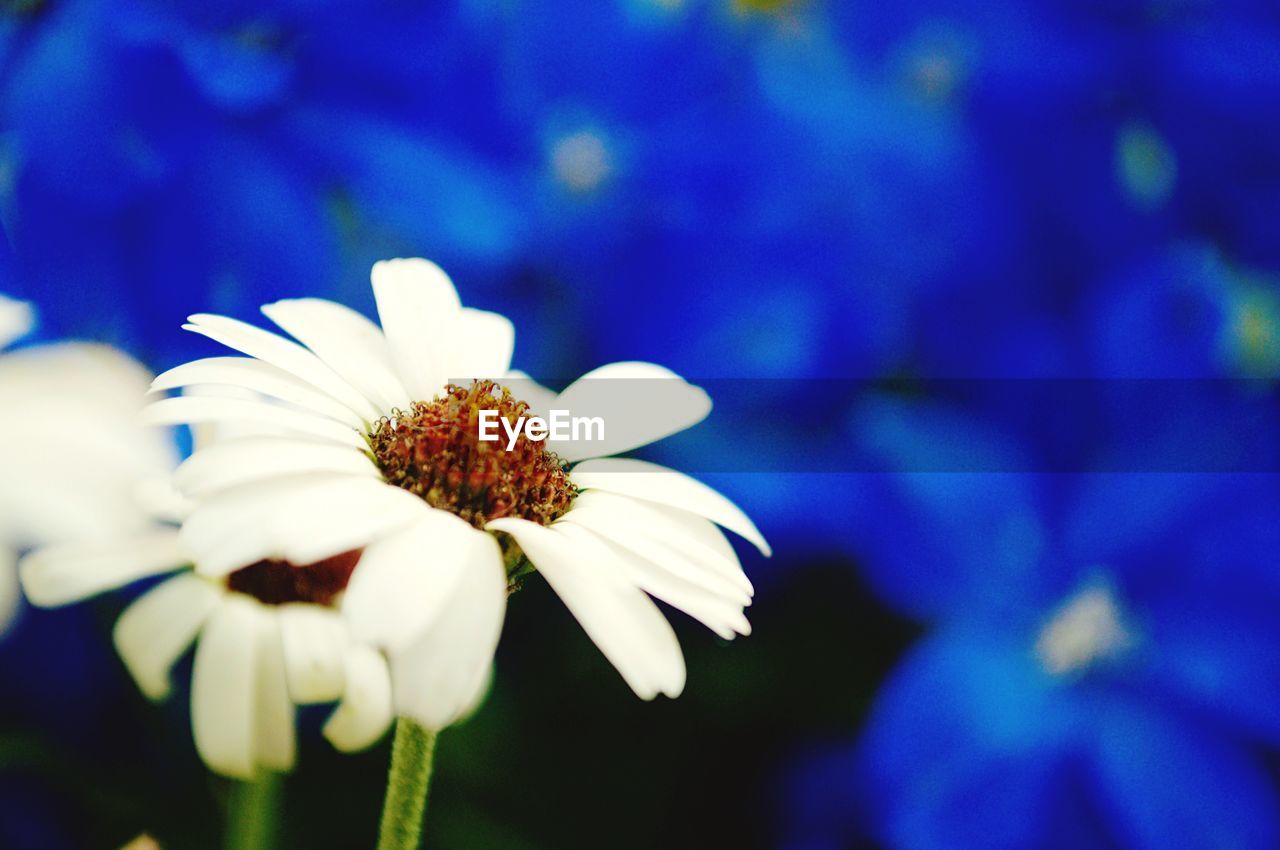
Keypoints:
(748, 189)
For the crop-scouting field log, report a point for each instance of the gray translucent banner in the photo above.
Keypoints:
(853, 425)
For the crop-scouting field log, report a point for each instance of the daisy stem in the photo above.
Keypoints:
(252, 813)
(407, 784)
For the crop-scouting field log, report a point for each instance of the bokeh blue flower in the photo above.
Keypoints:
(1097, 669)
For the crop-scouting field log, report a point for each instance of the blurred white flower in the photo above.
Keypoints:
(72, 456)
(268, 636)
(16, 319)
(376, 449)
(86, 486)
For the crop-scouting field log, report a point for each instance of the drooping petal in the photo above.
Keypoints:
(679, 543)
(418, 306)
(654, 483)
(191, 410)
(443, 673)
(260, 377)
(274, 741)
(365, 712)
(405, 581)
(224, 687)
(59, 574)
(348, 343)
(227, 464)
(618, 617)
(634, 414)
(723, 615)
(285, 354)
(154, 632)
(314, 640)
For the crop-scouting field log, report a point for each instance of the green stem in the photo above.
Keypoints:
(252, 813)
(407, 784)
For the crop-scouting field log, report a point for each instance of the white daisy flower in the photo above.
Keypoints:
(377, 449)
(71, 452)
(85, 486)
(268, 636)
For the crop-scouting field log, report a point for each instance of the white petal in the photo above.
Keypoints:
(721, 613)
(232, 529)
(483, 345)
(274, 741)
(680, 543)
(404, 581)
(204, 434)
(47, 394)
(418, 306)
(618, 617)
(226, 532)
(348, 514)
(16, 320)
(224, 687)
(59, 574)
(10, 594)
(35, 511)
(539, 398)
(231, 463)
(41, 504)
(634, 414)
(303, 519)
(84, 375)
(158, 496)
(654, 483)
(260, 377)
(315, 642)
(442, 675)
(348, 343)
(286, 354)
(188, 410)
(479, 695)
(154, 632)
(365, 712)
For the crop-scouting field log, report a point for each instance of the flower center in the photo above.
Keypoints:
(1088, 628)
(1146, 165)
(934, 63)
(278, 582)
(1255, 332)
(580, 161)
(762, 6)
(434, 451)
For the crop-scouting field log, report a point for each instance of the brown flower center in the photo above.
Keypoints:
(435, 451)
(278, 582)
